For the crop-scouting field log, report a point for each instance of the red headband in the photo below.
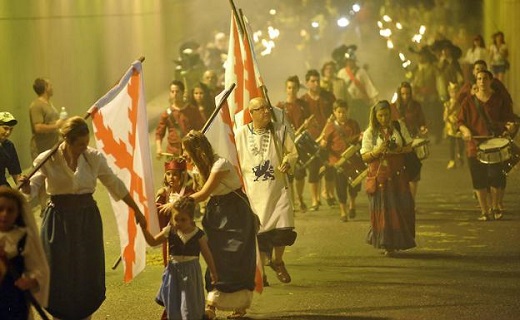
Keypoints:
(176, 164)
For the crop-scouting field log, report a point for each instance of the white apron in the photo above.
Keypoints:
(265, 186)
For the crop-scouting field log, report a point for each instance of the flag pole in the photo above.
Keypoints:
(238, 18)
(217, 109)
(52, 151)
(278, 145)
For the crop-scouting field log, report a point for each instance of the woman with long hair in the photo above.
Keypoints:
(200, 99)
(230, 225)
(498, 54)
(391, 205)
(409, 110)
(477, 51)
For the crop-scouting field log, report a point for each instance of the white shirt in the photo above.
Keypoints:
(498, 57)
(229, 182)
(362, 75)
(60, 179)
(473, 55)
(368, 141)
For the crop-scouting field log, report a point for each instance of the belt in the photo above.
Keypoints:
(73, 200)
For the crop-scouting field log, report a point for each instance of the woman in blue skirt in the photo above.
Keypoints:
(72, 229)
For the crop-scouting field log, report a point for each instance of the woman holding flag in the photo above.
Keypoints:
(230, 226)
(72, 232)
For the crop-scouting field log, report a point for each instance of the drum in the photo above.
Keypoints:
(495, 150)
(514, 160)
(354, 167)
(308, 148)
(347, 154)
(421, 148)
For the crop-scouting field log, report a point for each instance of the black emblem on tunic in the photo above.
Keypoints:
(264, 170)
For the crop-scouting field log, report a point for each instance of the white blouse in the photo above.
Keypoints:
(60, 179)
(498, 57)
(230, 182)
(473, 55)
(368, 145)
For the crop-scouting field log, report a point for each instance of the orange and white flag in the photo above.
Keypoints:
(241, 68)
(121, 132)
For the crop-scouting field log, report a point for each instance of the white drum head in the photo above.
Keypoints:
(495, 143)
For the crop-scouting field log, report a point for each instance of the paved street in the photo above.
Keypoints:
(461, 269)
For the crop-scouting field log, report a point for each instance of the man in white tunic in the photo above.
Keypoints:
(363, 94)
(267, 153)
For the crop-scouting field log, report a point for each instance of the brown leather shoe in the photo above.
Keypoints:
(281, 272)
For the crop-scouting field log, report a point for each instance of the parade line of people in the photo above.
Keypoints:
(339, 134)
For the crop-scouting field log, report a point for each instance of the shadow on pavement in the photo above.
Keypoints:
(454, 257)
(320, 317)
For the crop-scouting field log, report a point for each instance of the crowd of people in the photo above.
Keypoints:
(338, 133)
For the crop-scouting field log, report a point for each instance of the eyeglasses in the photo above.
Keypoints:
(262, 109)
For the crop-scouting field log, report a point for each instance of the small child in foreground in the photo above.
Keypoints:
(182, 290)
(23, 265)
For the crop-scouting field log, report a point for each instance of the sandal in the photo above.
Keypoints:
(237, 314)
(281, 272)
(314, 207)
(485, 217)
(389, 253)
(209, 313)
(498, 214)
(265, 282)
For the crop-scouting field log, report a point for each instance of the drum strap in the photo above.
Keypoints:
(397, 126)
(484, 116)
(359, 85)
(173, 122)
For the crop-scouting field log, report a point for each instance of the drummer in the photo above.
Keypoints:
(337, 137)
(320, 105)
(410, 112)
(297, 113)
(487, 114)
